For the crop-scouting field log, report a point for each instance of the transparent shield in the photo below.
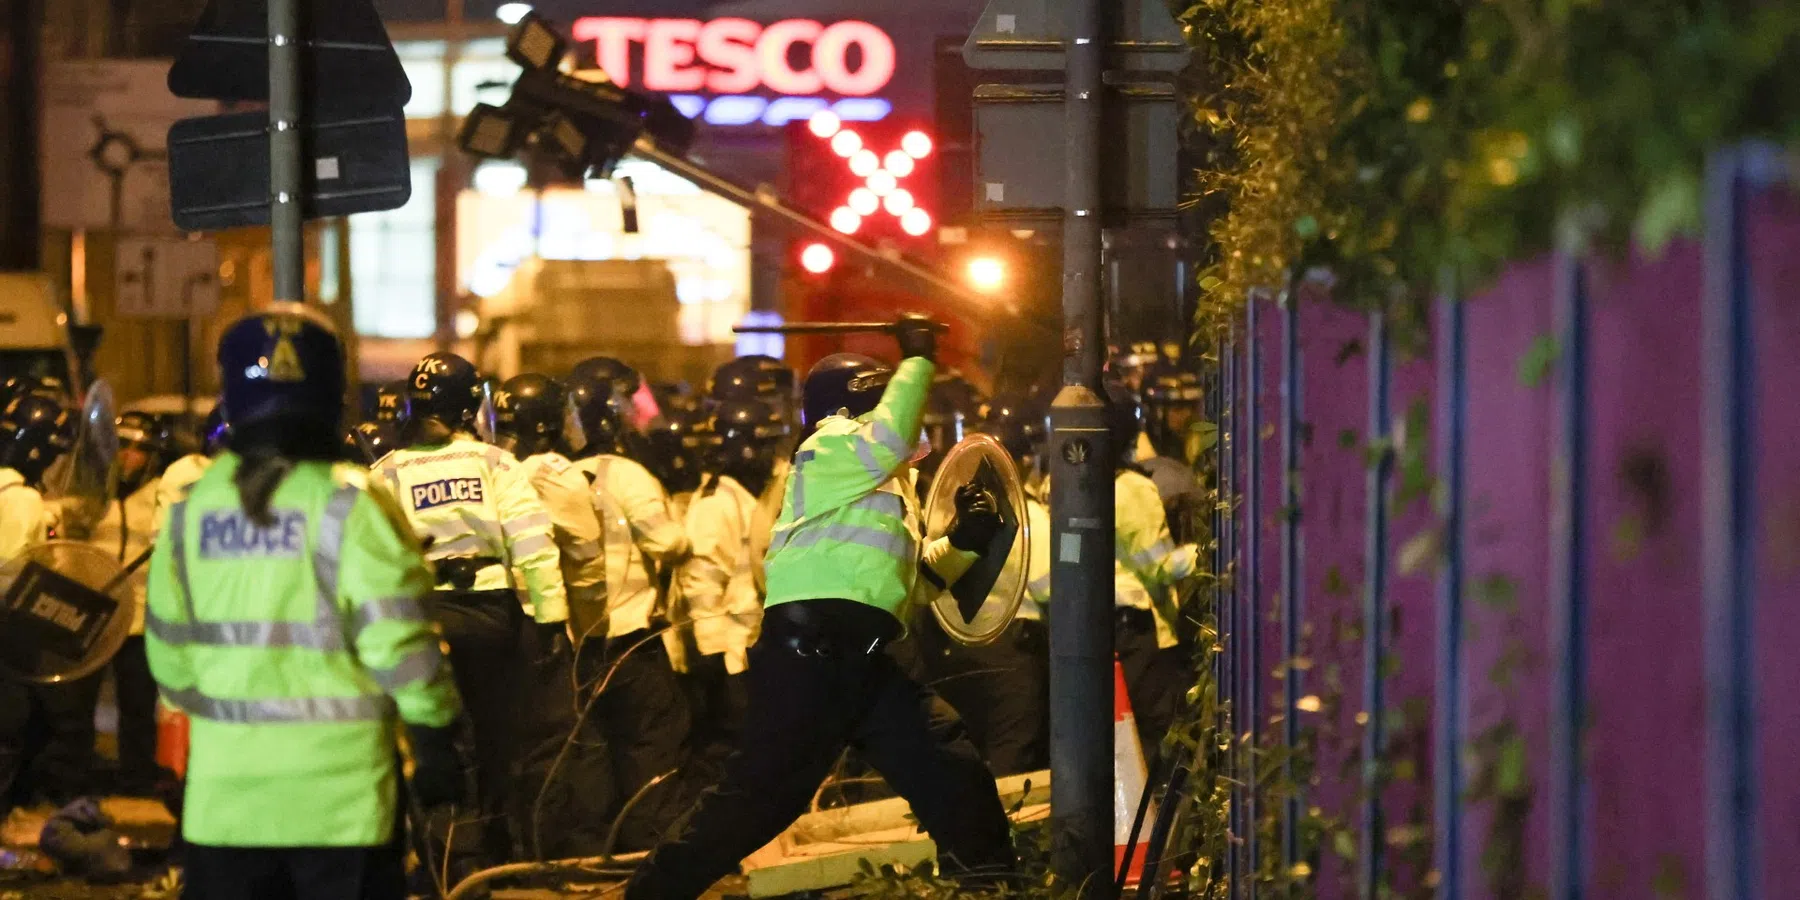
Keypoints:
(65, 609)
(982, 603)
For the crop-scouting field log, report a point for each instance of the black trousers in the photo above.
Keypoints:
(136, 694)
(1155, 678)
(814, 689)
(483, 630)
(300, 873)
(719, 702)
(47, 741)
(644, 716)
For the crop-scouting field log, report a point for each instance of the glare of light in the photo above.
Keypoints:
(916, 222)
(986, 273)
(898, 202)
(882, 183)
(864, 201)
(511, 13)
(500, 179)
(846, 220)
(845, 143)
(824, 123)
(917, 144)
(865, 163)
(898, 163)
(817, 259)
(467, 323)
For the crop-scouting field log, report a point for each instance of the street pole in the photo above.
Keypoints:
(1081, 502)
(287, 153)
(21, 40)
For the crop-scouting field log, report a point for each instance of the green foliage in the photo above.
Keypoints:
(1400, 143)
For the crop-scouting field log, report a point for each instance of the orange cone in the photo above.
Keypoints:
(1129, 780)
(172, 740)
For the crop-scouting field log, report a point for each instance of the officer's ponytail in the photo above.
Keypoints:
(270, 449)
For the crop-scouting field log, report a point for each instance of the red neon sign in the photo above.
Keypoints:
(736, 56)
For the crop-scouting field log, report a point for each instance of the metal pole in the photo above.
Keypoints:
(287, 153)
(21, 44)
(1290, 576)
(1230, 440)
(1081, 504)
(1447, 770)
(1252, 611)
(1730, 534)
(1568, 594)
(1375, 605)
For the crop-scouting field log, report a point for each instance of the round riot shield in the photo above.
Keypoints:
(982, 602)
(82, 473)
(65, 608)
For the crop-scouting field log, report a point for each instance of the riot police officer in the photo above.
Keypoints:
(46, 731)
(643, 710)
(1147, 565)
(844, 565)
(367, 442)
(756, 377)
(287, 620)
(720, 595)
(1171, 410)
(182, 473)
(529, 416)
(488, 535)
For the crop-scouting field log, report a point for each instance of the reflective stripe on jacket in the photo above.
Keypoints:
(640, 534)
(295, 649)
(1146, 562)
(468, 499)
(848, 527)
(576, 524)
(717, 582)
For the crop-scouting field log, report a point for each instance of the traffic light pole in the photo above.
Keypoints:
(287, 153)
(1081, 501)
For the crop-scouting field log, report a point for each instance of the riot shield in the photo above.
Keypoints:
(487, 417)
(981, 604)
(65, 609)
(82, 474)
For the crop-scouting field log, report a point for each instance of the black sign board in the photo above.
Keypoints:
(972, 589)
(219, 168)
(49, 622)
(348, 61)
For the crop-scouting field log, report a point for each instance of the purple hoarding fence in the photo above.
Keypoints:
(1600, 636)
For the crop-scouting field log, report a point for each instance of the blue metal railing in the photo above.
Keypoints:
(1291, 385)
(1447, 741)
(1568, 588)
(1381, 471)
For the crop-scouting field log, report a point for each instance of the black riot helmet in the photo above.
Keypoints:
(755, 377)
(847, 383)
(529, 412)
(676, 447)
(624, 376)
(40, 385)
(745, 435)
(1019, 423)
(35, 431)
(443, 388)
(1171, 403)
(368, 442)
(150, 436)
(390, 401)
(602, 407)
(285, 365)
(1124, 417)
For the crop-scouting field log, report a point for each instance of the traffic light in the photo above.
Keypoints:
(877, 181)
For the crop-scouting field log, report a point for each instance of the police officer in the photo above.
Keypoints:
(675, 439)
(844, 565)
(1003, 687)
(765, 379)
(390, 403)
(125, 531)
(367, 442)
(629, 396)
(46, 731)
(1171, 410)
(643, 710)
(720, 595)
(182, 473)
(287, 620)
(482, 522)
(529, 416)
(1147, 564)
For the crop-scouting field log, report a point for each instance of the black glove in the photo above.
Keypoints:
(552, 640)
(977, 519)
(437, 768)
(917, 336)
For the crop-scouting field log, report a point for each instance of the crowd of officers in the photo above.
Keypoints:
(605, 564)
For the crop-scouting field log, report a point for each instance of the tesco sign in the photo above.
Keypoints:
(794, 57)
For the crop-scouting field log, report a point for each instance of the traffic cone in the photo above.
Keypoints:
(172, 740)
(1129, 780)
